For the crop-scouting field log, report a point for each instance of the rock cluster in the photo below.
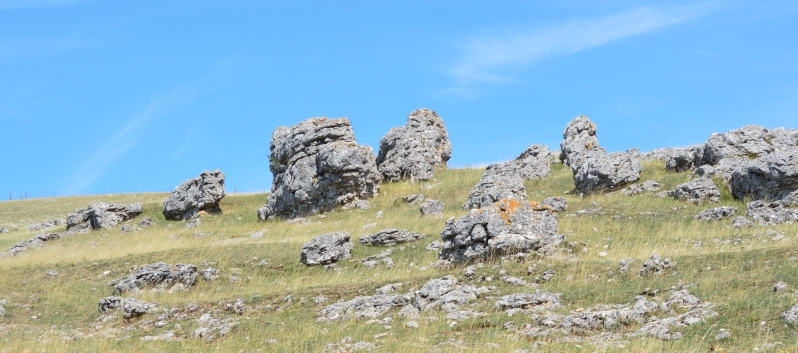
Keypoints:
(696, 191)
(326, 249)
(655, 265)
(101, 215)
(716, 214)
(36, 242)
(774, 212)
(211, 327)
(595, 170)
(533, 163)
(390, 237)
(159, 276)
(415, 150)
(499, 182)
(506, 227)
(195, 195)
(317, 164)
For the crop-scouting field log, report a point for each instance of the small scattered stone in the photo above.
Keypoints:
(779, 286)
(431, 208)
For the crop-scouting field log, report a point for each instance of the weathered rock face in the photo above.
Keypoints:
(414, 151)
(771, 177)
(607, 172)
(366, 307)
(317, 164)
(534, 162)
(775, 212)
(683, 159)
(508, 226)
(431, 208)
(648, 186)
(108, 304)
(132, 307)
(716, 214)
(389, 237)
(579, 137)
(195, 195)
(326, 249)
(696, 191)
(557, 204)
(723, 169)
(655, 265)
(158, 276)
(101, 215)
(791, 315)
(499, 181)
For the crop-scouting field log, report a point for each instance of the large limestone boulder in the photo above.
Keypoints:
(506, 227)
(534, 162)
(771, 177)
(317, 164)
(578, 138)
(601, 172)
(326, 249)
(101, 215)
(415, 150)
(195, 195)
(159, 276)
(499, 181)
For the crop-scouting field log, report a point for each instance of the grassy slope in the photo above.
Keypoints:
(733, 268)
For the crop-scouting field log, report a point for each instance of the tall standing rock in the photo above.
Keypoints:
(579, 137)
(194, 195)
(499, 181)
(415, 150)
(317, 164)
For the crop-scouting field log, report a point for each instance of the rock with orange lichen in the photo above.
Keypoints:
(505, 227)
(499, 182)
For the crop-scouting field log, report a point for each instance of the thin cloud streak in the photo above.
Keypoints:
(496, 60)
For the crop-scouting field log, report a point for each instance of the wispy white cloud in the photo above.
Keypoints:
(497, 59)
(118, 145)
(21, 4)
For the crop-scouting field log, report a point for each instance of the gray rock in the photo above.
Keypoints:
(36, 242)
(108, 304)
(557, 204)
(195, 195)
(498, 182)
(2, 311)
(771, 177)
(210, 274)
(317, 164)
(601, 172)
(579, 137)
(723, 170)
(655, 265)
(365, 307)
(513, 280)
(413, 199)
(435, 245)
(773, 213)
(42, 226)
(415, 150)
(535, 301)
(211, 328)
(411, 324)
(534, 162)
(683, 159)
(646, 187)
(388, 288)
(747, 142)
(722, 334)
(147, 222)
(132, 307)
(101, 216)
(697, 191)
(741, 222)
(431, 208)
(3, 230)
(623, 265)
(791, 315)
(716, 214)
(507, 227)
(445, 293)
(389, 237)
(326, 249)
(194, 223)
(158, 276)
(659, 154)
(779, 286)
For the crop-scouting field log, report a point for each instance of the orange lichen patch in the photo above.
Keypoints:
(202, 213)
(539, 206)
(507, 208)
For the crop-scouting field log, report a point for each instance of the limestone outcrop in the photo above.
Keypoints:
(195, 195)
(415, 150)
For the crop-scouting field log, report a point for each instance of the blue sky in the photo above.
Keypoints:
(121, 96)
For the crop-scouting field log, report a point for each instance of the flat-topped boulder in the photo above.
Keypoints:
(326, 249)
(101, 216)
(195, 195)
(602, 172)
(499, 182)
(415, 150)
(317, 165)
(389, 237)
(506, 227)
(771, 177)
